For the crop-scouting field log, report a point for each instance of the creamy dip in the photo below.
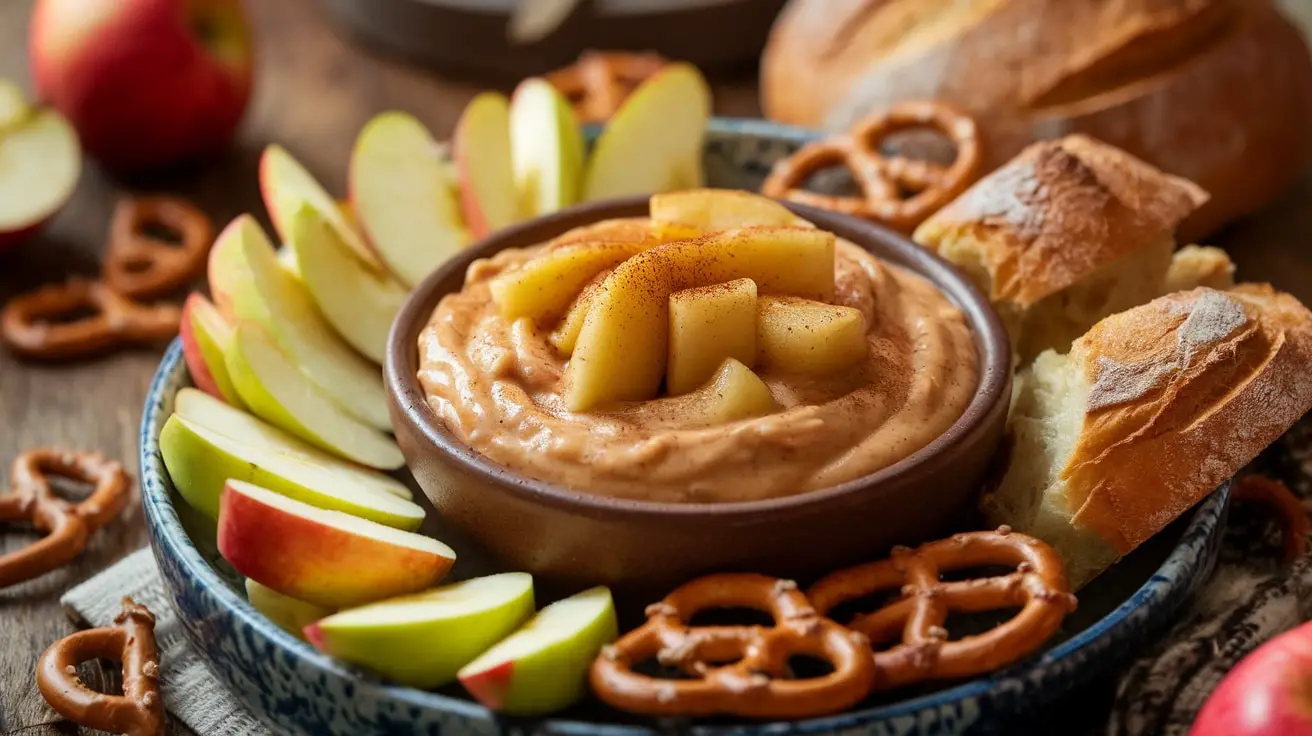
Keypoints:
(496, 385)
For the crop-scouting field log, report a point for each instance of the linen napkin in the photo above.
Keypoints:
(192, 694)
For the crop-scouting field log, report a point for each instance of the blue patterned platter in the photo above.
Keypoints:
(291, 685)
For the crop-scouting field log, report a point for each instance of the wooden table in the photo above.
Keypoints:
(314, 93)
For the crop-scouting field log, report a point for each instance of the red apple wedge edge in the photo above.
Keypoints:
(204, 334)
(481, 147)
(323, 557)
(146, 83)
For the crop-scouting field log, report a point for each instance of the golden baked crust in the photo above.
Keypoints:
(1058, 212)
(1184, 391)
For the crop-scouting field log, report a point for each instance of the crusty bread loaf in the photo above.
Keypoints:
(1150, 411)
(1068, 232)
(1216, 91)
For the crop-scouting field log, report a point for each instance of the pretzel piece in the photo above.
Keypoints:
(139, 265)
(1287, 507)
(29, 326)
(598, 83)
(67, 526)
(734, 670)
(895, 190)
(916, 618)
(139, 711)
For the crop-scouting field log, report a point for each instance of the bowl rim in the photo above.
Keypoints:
(992, 346)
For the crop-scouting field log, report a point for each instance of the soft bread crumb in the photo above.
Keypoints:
(1200, 265)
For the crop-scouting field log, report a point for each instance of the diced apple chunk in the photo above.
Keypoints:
(709, 210)
(707, 325)
(804, 336)
(733, 393)
(623, 347)
(543, 288)
(566, 334)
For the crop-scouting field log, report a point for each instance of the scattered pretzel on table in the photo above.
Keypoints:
(897, 191)
(68, 526)
(1287, 507)
(139, 265)
(139, 711)
(30, 323)
(916, 618)
(599, 82)
(752, 682)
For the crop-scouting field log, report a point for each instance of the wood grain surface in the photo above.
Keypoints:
(314, 91)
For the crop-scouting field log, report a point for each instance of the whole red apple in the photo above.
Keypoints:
(146, 83)
(1269, 693)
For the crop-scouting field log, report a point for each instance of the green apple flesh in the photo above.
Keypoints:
(481, 143)
(546, 149)
(200, 460)
(276, 392)
(654, 141)
(543, 667)
(402, 197)
(286, 185)
(40, 162)
(323, 557)
(14, 107)
(286, 612)
(423, 640)
(287, 259)
(245, 269)
(204, 333)
(205, 411)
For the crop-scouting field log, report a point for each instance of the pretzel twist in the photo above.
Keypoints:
(67, 526)
(139, 711)
(29, 323)
(734, 670)
(598, 83)
(141, 266)
(916, 619)
(897, 191)
(1288, 509)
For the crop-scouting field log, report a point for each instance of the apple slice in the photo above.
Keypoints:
(323, 557)
(273, 389)
(286, 185)
(546, 149)
(543, 288)
(402, 198)
(359, 304)
(654, 141)
(709, 324)
(40, 162)
(205, 411)
(287, 259)
(200, 460)
(481, 143)
(710, 210)
(286, 612)
(204, 334)
(543, 667)
(809, 337)
(423, 640)
(246, 277)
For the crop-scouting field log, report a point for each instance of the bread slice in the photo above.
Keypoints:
(1150, 411)
(1068, 232)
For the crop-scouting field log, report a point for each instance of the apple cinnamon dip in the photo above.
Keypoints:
(803, 380)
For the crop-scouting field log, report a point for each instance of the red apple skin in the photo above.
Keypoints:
(489, 687)
(191, 353)
(1269, 693)
(142, 90)
(316, 563)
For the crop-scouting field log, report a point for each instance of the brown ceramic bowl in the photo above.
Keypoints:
(574, 539)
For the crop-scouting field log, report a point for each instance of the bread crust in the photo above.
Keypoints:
(1216, 91)
(1184, 391)
(1058, 212)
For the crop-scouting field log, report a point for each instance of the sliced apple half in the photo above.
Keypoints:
(286, 185)
(709, 324)
(205, 411)
(622, 350)
(481, 145)
(546, 149)
(323, 557)
(543, 667)
(285, 612)
(653, 143)
(40, 161)
(358, 303)
(803, 336)
(245, 270)
(423, 640)
(402, 197)
(709, 210)
(543, 288)
(277, 392)
(204, 333)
